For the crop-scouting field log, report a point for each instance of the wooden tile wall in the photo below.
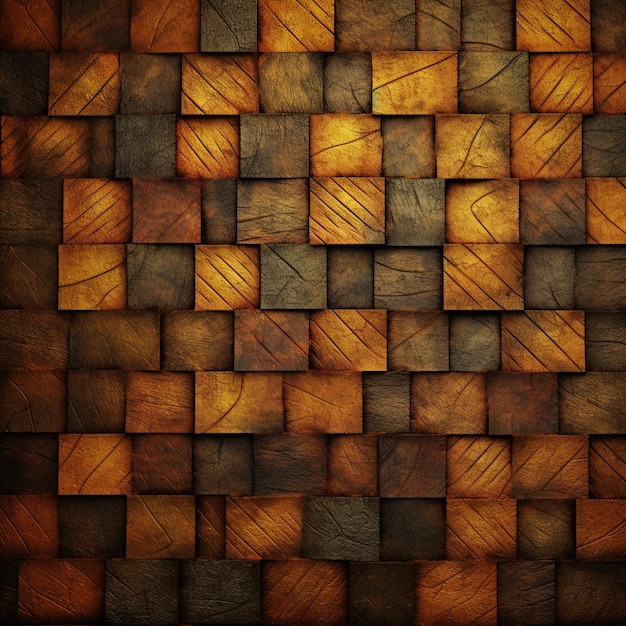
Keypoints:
(313, 312)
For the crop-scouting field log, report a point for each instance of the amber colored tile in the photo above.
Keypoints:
(478, 467)
(161, 402)
(607, 467)
(347, 211)
(312, 402)
(82, 83)
(268, 340)
(228, 402)
(34, 25)
(485, 211)
(96, 210)
(95, 464)
(452, 403)
(219, 84)
(165, 26)
(227, 277)
(263, 527)
(296, 26)
(481, 529)
(305, 592)
(343, 144)
(483, 276)
(456, 592)
(353, 465)
(30, 527)
(600, 530)
(349, 340)
(606, 210)
(551, 466)
(609, 86)
(44, 147)
(561, 83)
(160, 527)
(543, 341)
(553, 25)
(207, 147)
(166, 211)
(414, 83)
(546, 145)
(92, 277)
(61, 591)
(473, 146)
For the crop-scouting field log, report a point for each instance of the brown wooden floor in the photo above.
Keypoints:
(313, 312)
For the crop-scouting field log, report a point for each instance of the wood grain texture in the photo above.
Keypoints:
(291, 82)
(353, 465)
(32, 26)
(114, 340)
(546, 529)
(197, 340)
(84, 84)
(167, 211)
(311, 402)
(543, 341)
(478, 467)
(98, 26)
(359, 22)
(273, 211)
(493, 82)
(264, 527)
(600, 533)
(207, 147)
(226, 402)
(228, 26)
(271, 340)
(96, 210)
(456, 591)
(546, 146)
(348, 340)
(605, 218)
(481, 529)
(165, 26)
(414, 83)
(92, 277)
(45, 590)
(412, 466)
(550, 466)
(305, 591)
(219, 84)
(293, 26)
(482, 211)
(473, 146)
(483, 276)
(31, 527)
(449, 403)
(556, 26)
(227, 277)
(438, 25)
(409, 146)
(417, 341)
(607, 460)
(343, 144)
(159, 402)
(95, 464)
(347, 210)
(408, 279)
(341, 529)
(160, 527)
(561, 83)
(162, 464)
